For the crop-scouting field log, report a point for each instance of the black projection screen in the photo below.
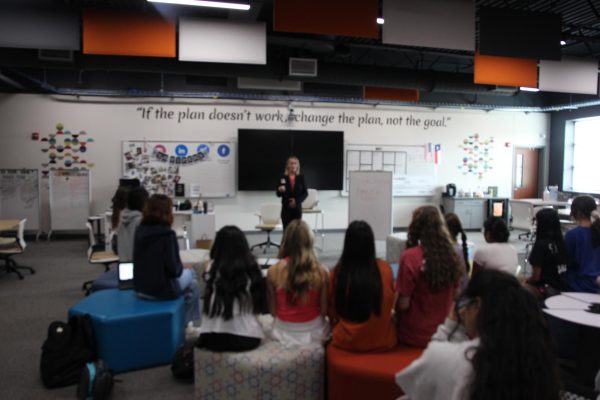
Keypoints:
(262, 155)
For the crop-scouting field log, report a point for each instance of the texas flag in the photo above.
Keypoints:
(437, 158)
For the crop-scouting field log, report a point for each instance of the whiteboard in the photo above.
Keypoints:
(414, 172)
(70, 198)
(370, 199)
(207, 169)
(20, 196)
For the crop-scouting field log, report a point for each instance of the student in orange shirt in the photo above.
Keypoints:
(362, 295)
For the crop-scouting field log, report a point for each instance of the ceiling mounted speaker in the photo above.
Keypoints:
(303, 67)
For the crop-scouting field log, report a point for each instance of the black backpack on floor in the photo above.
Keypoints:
(66, 350)
(96, 381)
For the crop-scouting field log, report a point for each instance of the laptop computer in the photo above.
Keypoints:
(125, 275)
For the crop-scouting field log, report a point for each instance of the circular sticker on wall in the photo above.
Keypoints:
(203, 148)
(82, 149)
(181, 150)
(161, 148)
(223, 150)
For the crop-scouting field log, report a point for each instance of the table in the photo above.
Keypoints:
(545, 203)
(194, 255)
(580, 334)
(9, 224)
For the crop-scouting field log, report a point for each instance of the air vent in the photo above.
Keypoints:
(269, 84)
(55, 55)
(303, 67)
(507, 90)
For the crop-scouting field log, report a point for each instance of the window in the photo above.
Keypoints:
(582, 146)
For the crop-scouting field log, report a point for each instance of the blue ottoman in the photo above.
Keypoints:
(131, 332)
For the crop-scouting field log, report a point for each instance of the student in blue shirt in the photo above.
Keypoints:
(583, 246)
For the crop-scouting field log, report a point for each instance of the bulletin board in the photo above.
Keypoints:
(413, 168)
(370, 200)
(206, 169)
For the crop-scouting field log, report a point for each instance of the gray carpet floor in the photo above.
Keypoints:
(28, 306)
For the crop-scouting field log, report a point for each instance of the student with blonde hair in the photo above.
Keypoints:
(297, 290)
(428, 278)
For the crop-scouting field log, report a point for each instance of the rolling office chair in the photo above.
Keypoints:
(269, 220)
(97, 255)
(13, 246)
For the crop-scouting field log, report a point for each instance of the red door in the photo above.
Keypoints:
(525, 173)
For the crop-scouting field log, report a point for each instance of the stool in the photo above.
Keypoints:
(366, 375)
(269, 372)
(131, 332)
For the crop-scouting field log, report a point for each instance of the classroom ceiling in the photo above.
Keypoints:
(444, 77)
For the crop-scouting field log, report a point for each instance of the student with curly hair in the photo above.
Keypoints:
(497, 253)
(362, 295)
(297, 289)
(428, 277)
(235, 295)
(494, 346)
(583, 246)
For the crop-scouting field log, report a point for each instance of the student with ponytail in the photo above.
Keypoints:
(583, 246)
(297, 290)
(455, 228)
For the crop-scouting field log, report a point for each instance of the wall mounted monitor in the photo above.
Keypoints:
(525, 34)
(262, 155)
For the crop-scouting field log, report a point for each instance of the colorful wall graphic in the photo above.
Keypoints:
(65, 150)
(477, 157)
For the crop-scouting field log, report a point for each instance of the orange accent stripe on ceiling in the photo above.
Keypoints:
(381, 93)
(505, 71)
(128, 34)
(327, 17)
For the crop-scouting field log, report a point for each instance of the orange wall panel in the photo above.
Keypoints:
(128, 34)
(328, 17)
(381, 93)
(505, 71)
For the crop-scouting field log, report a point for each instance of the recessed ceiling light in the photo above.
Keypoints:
(529, 89)
(206, 3)
(562, 42)
(380, 21)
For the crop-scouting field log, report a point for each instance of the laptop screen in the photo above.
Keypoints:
(125, 271)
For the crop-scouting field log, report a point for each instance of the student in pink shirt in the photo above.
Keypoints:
(297, 290)
(428, 278)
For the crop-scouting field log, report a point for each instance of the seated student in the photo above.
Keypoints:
(119, 202)
(455, 228)
(362, 295)
(583, 247)
(428, 277)
(235, 295)
(496, 253)
(548, 256)
(495, 346)
(158, 271)
(131, 217)
(297, 290)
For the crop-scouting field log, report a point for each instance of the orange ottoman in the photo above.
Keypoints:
(366, 375)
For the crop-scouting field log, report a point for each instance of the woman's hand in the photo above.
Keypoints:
(292, 202)
(281, 189)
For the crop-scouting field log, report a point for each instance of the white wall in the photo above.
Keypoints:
(110, 121)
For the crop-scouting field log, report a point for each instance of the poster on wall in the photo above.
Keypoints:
(201, 169)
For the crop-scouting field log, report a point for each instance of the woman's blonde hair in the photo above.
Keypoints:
(303, 265)
(427, 228)
(285, 170)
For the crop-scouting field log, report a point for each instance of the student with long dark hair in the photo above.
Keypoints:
(297, 290)
(583, 246)
(158, 270)
(548, 257)
(495, 346)
(455, 228)
(428, 277)
(497, 253)
(235, 295)
(361, 295)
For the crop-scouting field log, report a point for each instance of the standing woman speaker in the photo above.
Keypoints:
(292, 190)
